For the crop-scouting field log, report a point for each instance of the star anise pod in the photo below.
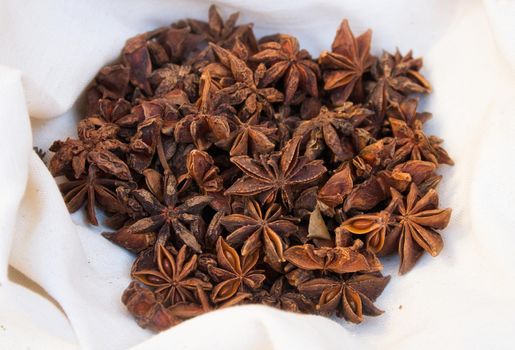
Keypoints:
(131, 210)
(335, 259)
(111, 82)
(279, 173)
(395, 77)
(137, 57)
(91, 189)
(374, 158)
(117, 112)
(233, 273)
(151, 313)
(349, 298)
(285, 60)
(167, 216)
(374, 225)
(343, 68)
(171, 278)
(416, 220)
(335, 190)
(209, 122)
(224, 33)
(286, 123)
(368, 194)
(259, 228)
(142, 303)
(173, 76)
(243, 89)
(248, 137)
(282, 298)
(73, 156)
(148, 141)
(335, 128)
(188, 310)
(176, 44)
(407, 127)
(202, 129)
(235, 179)
(203, 171)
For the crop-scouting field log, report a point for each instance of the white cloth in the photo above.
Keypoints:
(464, 298)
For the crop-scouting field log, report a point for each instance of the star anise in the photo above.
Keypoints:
(142, 303)
(335, 259)
(91, 189)
(173, 76)
(374, 225)
(248, 137)
(144, 144)
(178, 42)
(286, 61)
(150, 312)
(343, 68)
(209, 122)
(111, 82)
(202, 129)
(131, 210)
(188, 310)
(116, 112)
(279, 173)
(158, 120)
(203, 171)
(167, 216)
(376, 189)
(243, 89)
(282, 298)
(395, 77)
(286, 124)
(256, 229)
(335, 128)
(93, 147)
(137, 57)
(412, 142)
(224, 33)
(334, 191)
(374, 158)
(233, 273)
(171, 278)
(416, 220)
(349, 298)
(235, 179)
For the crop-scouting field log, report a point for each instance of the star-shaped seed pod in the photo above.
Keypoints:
(285, 60)
(168, 217)
(276, 175)
(416, 220)
(93, 189)
(171, 278)
(234, 273)
(395, 77)
(344, 66)
(334, 259)
(348, 298)
(259, 228)
(412, 142)
(335, 129)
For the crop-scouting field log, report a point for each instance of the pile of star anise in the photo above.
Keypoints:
(246, 171)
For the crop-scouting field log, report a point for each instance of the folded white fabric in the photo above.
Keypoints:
(464, 298)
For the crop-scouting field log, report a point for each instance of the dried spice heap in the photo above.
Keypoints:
(245, 171)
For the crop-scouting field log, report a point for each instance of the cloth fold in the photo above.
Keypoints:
(463, 298)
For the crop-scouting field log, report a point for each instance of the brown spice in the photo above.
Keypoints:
(245, 171)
